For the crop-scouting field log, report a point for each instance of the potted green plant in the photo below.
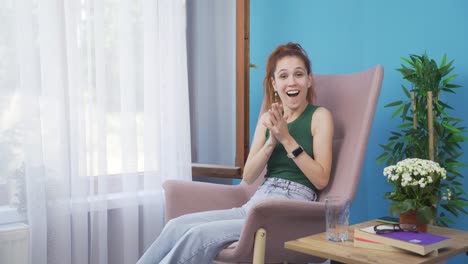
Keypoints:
(427, 131)
(417, 190)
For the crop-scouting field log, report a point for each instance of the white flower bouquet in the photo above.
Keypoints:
(417, 184)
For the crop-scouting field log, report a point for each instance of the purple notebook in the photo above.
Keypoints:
(423, 239)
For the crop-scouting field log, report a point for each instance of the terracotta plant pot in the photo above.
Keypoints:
(410, 218)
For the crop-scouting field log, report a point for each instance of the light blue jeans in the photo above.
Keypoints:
(197, 238)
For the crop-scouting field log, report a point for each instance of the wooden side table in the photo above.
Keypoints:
(345, 252)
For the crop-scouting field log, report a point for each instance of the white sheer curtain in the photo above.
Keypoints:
(102, 109)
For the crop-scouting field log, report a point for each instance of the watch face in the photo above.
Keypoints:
(296, 152)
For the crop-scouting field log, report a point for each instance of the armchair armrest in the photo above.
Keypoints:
(184, 197)
(283, 220)
(286, 219)
(290, 208)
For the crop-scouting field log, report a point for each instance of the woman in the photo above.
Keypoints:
(293, 139)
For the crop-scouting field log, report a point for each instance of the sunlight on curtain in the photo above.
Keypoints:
(98, 104)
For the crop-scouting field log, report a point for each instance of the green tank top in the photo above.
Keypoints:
(279, 165)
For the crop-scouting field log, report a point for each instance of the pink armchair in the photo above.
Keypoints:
(352, 99)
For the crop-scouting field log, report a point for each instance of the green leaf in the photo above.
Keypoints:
(451, 128)
(448, 79)
(424, 214)
(405, 109)
(407, 61)
(405, 125)
(451, 210)
(387, 147)
(448, 90)
(452, 86)
(382, 158)
(408, 95)
(394, 104)
(444, 59)
(398, 111)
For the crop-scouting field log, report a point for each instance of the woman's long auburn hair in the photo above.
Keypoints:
(289, 49)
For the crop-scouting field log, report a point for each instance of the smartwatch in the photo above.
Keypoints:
(295, 153)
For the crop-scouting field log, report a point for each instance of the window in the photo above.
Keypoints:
(100, 117)
(241, 95)
(11, 156)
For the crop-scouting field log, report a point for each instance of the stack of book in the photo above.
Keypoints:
(417, 242)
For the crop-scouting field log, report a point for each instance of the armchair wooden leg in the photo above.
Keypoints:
(259, 246)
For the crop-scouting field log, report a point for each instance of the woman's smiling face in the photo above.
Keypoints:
(291, 82)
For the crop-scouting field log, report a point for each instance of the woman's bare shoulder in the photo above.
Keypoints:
(322, 113)
(322, 118)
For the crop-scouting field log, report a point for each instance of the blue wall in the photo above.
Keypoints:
(343, 36)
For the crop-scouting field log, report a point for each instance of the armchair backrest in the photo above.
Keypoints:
(352, 99)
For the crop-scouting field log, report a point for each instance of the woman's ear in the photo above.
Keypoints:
(273, 83)
(310, 80)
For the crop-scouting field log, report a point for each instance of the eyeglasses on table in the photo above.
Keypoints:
(390, 228)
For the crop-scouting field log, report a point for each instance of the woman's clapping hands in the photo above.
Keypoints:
(276, 122)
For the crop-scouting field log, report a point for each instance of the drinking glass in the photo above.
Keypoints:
(337, 218)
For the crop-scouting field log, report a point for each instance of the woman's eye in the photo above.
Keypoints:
(283, 76)
(299, 74)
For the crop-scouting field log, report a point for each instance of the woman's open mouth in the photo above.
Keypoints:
(292, 93)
